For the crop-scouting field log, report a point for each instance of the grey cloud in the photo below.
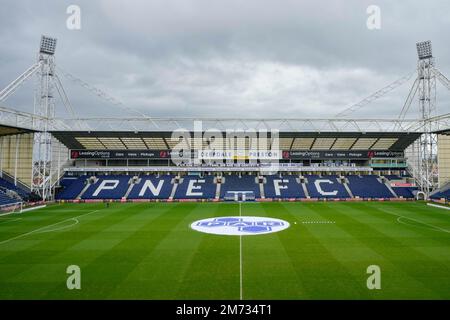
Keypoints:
(229, 58)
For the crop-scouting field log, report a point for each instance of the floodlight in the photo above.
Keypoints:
(424, 50)
(48, 45)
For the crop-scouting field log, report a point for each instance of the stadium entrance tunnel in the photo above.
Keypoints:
(240, 225)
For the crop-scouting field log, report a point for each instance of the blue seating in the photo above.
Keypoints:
(277, 187)
(368, 187)
(65, 182)
(325, 187)
(392, 177)
(152, 187)
(439, 195)
(72, 189)
(8, 185)
(108, 187)
(405, 192)
(195, 187)
(5, 199)
(236, 183)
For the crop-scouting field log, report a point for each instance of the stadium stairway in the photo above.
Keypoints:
(304, 188)
(132, 183)
(347, 188)
(83, 191)
(174, 188)
(261, 189)
(386, 182)
(218, 186)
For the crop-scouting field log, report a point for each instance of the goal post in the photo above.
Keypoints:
(11, 208)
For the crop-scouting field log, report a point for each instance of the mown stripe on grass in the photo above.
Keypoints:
(103, 274)
(407, 267)
(323, 275)
(161, 271)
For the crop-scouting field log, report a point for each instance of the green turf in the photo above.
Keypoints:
(148, 251)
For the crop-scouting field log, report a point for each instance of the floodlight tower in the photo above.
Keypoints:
(427, 104)
(44, 106)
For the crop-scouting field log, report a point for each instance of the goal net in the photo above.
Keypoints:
(11, 208)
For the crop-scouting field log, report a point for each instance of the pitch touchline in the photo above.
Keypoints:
(240, 257)
(39, 229)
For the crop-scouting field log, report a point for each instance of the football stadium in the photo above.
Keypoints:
(226, 208)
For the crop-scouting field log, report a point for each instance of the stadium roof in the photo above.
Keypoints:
(8, 130)
(156, 140)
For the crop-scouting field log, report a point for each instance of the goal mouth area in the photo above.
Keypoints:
(11, 208)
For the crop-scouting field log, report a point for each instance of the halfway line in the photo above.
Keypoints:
(240, 257)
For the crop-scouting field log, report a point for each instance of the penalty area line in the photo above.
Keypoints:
(433, 227)
(438, 206)
(43, 228)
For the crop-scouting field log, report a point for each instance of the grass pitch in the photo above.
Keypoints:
(149, 251)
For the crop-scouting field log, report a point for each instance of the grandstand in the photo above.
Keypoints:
(45, 158)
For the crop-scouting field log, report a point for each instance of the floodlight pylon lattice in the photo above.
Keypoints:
(44, 106)
(427, 155)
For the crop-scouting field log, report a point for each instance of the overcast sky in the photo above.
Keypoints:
(227, 58)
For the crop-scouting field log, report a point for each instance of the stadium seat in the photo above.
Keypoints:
(405, 192)
(108, 187)
(72, 190)
(152, 187)
(234, 183)
(284, 187)
(368, 186)
(195, 187)
(5, 199)
(325, 187)
(25, 195)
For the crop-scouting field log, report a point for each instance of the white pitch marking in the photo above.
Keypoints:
(427, 224)
(240, 258)
(438, 206)
(317, 222)
(42, 228)
(8, 220)
(63, 227)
